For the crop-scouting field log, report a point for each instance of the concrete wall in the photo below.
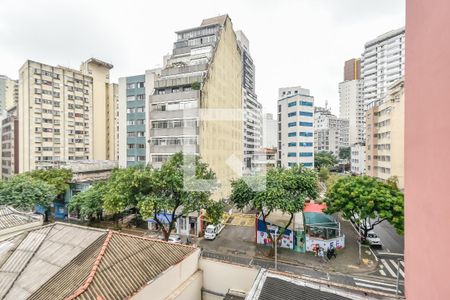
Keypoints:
(427, 147)
(220, 277)
(221, 141)
(181, 281)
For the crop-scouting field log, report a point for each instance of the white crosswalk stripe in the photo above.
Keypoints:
(386, 265)
(375, 285)
(400, 269)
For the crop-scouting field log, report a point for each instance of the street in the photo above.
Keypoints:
(391, 240)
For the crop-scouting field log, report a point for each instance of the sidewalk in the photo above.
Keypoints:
(347, 260)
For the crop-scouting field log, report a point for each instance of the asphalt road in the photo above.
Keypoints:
(391, 240)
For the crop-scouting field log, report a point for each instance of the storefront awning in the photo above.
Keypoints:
(165, 218)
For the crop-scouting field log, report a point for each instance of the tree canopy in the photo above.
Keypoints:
(281, 189)
(344, 153)
(89, 202)
(57, 177)
(367, 202)
(24, 192)
(182, 185)
(324, 159)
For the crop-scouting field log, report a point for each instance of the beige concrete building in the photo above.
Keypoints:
(196, 106)
(9, 93)
(385, 122)
(9, 146)
(66, 114)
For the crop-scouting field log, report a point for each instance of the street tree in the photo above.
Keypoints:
(214, 212)
(344, 153)
(366, 202)
(181, 186)
(59, 178)
(24, 193)
(126, 187)
(283, 190)
(324, 174)
(324, 159)
(89, 203)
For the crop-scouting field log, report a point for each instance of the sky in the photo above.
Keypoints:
(292, 42)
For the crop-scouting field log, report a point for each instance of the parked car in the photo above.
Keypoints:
(173, 238)
(212, 231)
(373, 239)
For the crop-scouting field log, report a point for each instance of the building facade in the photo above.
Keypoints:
(270, 131)
(295, 127)
(264, 160)
(9, 94)
(65, 114)
(382, 63)
(134, 95)
(330, 132)
(385, 136)
(351, 102)
(252, 109)
(9, 144)
(196, 106)
(358, 159)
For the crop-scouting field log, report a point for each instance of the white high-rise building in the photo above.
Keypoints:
(330, 132)
(269, 136)
(382, 63)
(358, 159)
(295, 127)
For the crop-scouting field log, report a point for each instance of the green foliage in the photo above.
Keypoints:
(344, 153)
(89, 202)
(281, 189)
(126, 187)
(324, 174)
(324, 159)
(196, 85)
(366, 201)
(214, 212)
(57, 177)
(24, 192)
(173, 192)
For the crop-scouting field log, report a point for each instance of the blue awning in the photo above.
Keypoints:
(163, 218)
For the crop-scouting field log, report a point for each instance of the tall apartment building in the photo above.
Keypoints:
(351, 102)
(197, 102)
(358, 159)
(330, 132)
(382, 63)
(134, 95)
(9, 94)
(252, 109)
(9, 146)
(385, 136)
(65, 114)
(295, 127)
(270, 131)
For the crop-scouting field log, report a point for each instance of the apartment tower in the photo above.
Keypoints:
(382, 63)
(196, 106)
(65, 114)
(330, 132)
(295, 127)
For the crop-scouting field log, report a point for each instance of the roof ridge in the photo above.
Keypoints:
(94, 269)
(151, 239)
(80, 226)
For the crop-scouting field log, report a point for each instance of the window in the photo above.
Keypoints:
(307, 164)
(291, 164)
(306, 154)
(306, 113)
(140, 85)
(305, 144)
(140, 97)
(290, 134)
(306, 124)
(306, 134)
(290, 104)
(292, 144)
(292, 124)
(131, 86)
(131, 98)
(292, 154)
(292, 114)
(306, 103)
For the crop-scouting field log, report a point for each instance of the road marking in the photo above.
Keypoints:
(376, 287)
(375, 282)
(399, 269)
(388, 268)
(382, 273)
(402, 263)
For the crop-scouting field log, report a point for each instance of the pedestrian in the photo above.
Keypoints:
(321, 254)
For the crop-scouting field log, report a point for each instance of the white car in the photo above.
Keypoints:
(212, 231)
(373, 239)
(173, 238)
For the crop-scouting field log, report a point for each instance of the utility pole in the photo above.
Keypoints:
(276, 254)
(359, 240)
(398, 276)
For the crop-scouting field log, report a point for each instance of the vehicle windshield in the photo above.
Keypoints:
(209, 230)
(372, 236)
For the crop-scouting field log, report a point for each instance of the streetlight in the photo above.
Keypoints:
(276, 256)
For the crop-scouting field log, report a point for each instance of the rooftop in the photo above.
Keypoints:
(65, 261)
(9, 217)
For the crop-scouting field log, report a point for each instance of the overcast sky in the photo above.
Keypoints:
(297, 42)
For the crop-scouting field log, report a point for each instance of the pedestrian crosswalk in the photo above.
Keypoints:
(376, 285)
(388, 268)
